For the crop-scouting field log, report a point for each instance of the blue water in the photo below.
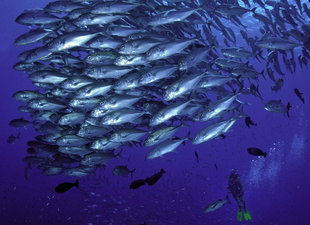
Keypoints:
(276, 188)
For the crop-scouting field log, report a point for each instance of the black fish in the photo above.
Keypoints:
(19, 123)
(215, 166)
(137, 183)
(197, 157)
(143, 223)
(223, 136)
(249, 122)
(257, 152)
(66, 186)
(288, 106)
(299, 95)
(153, 179)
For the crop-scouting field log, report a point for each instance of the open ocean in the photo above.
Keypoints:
(276, 188)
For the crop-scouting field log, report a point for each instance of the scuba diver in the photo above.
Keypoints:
(236, 189)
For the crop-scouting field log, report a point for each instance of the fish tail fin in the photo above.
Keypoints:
(247, 215)
(162, 170)
(77, 184)
(131, 172)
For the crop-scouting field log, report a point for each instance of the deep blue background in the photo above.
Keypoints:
(276, 188)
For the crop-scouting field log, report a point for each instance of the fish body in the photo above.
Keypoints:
(257, 152)
(299, 95)
(277, 43)
(127, 135)
(71, 40)
(163, 51)
(275, 106)
(216, 205)
(160, 135)
(181, 86)
(212, 131)
(121, 116)
(46, 104)
(165, 147)
(137, 183)
(123, 171)
(168, 112)
(248, 121)
(170, 16)
(66, 186)
(215, 108)
(154, 178)
(21, 122)
(72, 140)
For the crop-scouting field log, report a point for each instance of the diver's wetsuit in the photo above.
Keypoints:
(236, 189)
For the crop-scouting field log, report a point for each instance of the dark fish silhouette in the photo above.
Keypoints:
(299, 95)
(66, 186)
(12, 138)
(288, 106)
(197, 157)
(19, 123)
(215, 166)
(143, 223)
(223, 136)
(248, 121)
(257, 152)
(153, 179)
(137, 183)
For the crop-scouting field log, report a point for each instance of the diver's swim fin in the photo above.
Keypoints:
(247, 215)
(239, 215)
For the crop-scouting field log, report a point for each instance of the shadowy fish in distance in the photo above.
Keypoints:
(216, 205)
(278, 107)
(123, 171)
(197, 157)
(137, 183)
(257, 152)
(248, 121)
(154, 178)
(21, 122)
(299, 95)
(12, 138)
(66, 186)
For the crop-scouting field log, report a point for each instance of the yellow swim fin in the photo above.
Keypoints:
(239, 215)
(247, 215)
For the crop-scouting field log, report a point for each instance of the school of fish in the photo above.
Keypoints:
(119, 73)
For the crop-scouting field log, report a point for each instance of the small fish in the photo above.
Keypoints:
(197, 157)
(216, 205)
(137, 183)
(66, 186)
(216, 167)
(223, 136)
(288, 106)
(154, 178)
(257, 152)
(143, 223)
(299, 95)
(19, 123)
(123, 171)
(248, 121)
(12, 138)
